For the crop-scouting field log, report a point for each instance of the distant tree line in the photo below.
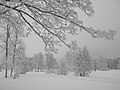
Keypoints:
(77, 61)
(106, 64)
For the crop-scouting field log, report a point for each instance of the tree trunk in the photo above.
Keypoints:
(6, 73)
(6, 59)
(38, 69)
(84, 73)
(80, 74)
(7, 37)
(16, 38)
(11, 72)
(65, 73)
(35, 69)
(12, 68)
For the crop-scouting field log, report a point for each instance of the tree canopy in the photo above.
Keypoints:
(51, 20)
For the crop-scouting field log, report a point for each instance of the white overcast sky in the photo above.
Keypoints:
(107, 15)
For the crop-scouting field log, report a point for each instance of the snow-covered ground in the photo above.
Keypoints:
(100, 80)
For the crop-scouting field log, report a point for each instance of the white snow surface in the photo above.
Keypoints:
(99, 80)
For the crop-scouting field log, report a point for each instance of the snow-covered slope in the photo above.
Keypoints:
(100, 80)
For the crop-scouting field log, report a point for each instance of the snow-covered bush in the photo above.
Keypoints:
(15, 75)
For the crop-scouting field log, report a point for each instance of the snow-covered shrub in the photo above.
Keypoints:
(15, 75)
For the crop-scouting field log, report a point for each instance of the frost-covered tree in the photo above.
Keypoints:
(8, 27)
(119, 63)
(113, 63)
(10, 39)
(68, 59)
(39, 61)
(50, 62)
(51, 20)
(15, 41)
(87, 64)
(79, 61)
(21, 62)
(94, 64)
(35, 62)
(71, 59)
(63, 69)
(116, 62)
(4, 45)
(102, 63)
(31, 63)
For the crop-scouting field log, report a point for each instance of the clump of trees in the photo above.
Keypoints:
(79, 61)
(41, 62)
(11, 46)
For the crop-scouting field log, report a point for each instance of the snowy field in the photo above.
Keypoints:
(100, 80)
